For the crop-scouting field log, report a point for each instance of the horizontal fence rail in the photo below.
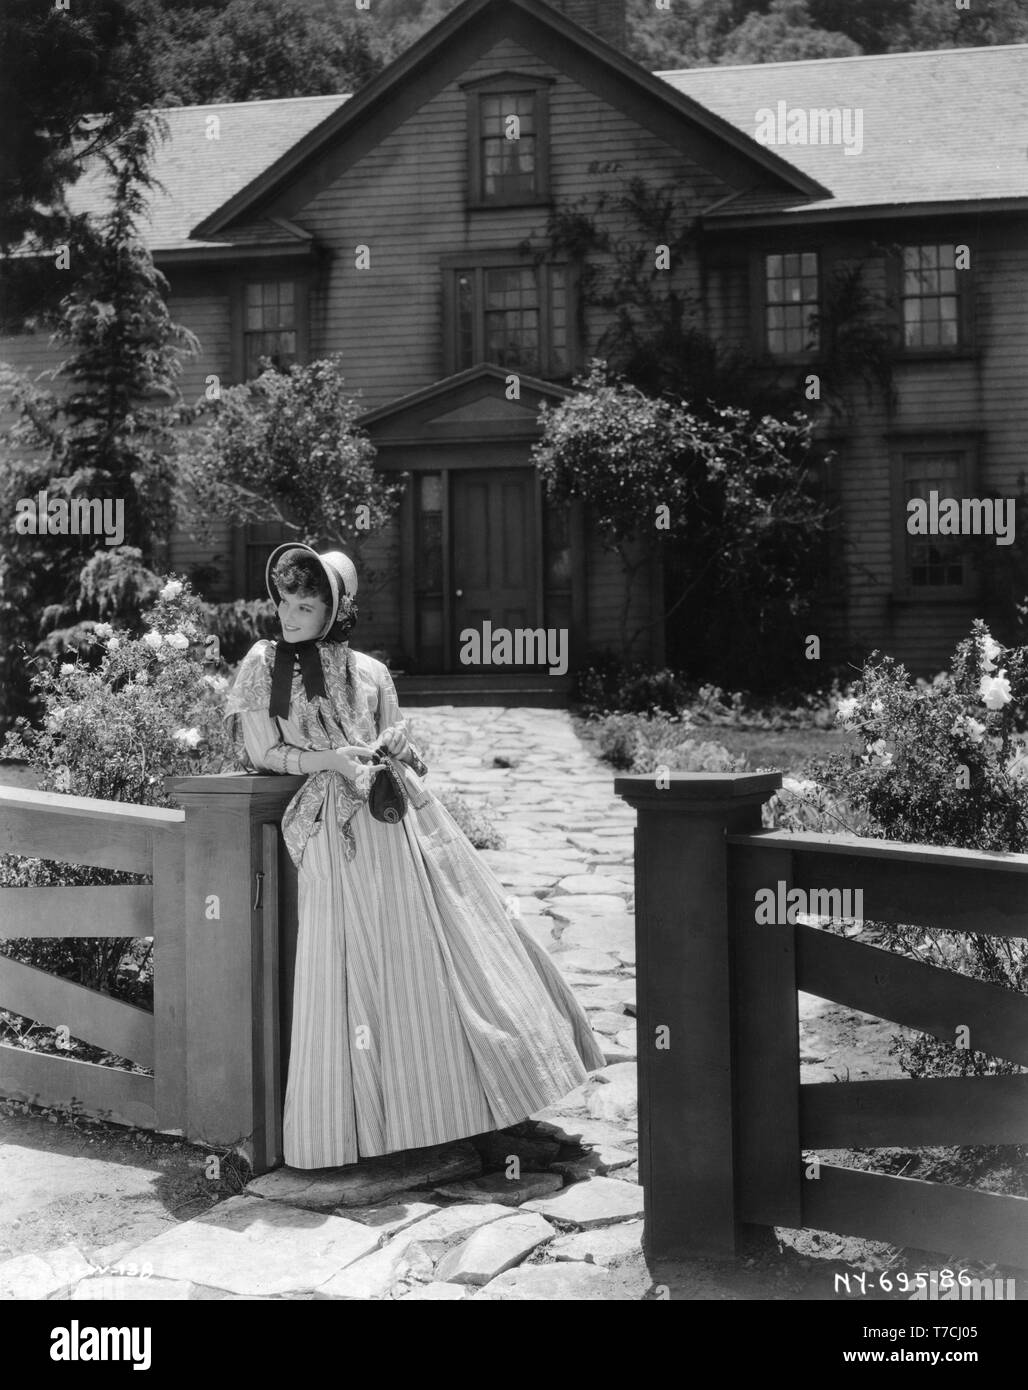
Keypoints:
(143, 840)
(729, 977)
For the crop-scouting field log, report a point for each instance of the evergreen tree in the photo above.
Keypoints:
(102, 431)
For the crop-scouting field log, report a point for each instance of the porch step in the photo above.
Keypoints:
(535, 691)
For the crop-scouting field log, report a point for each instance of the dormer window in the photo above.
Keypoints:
(508, 141)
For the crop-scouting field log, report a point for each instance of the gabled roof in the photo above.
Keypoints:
(471, 404)
(381, 102)
(198, 173)
(939, 129)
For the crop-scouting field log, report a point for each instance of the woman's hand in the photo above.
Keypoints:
(395, 743)
(347, 759)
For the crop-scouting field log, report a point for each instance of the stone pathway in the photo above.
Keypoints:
(541, 1211)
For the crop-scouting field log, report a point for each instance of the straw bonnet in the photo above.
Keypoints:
(337, 568)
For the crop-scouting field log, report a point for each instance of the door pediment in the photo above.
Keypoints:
(477, 404)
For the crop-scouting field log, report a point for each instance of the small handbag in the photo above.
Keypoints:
(387, 800)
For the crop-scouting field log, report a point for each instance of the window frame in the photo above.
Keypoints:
(514, 83)
(497, 258)
(301, 301)
(925, 443)
(760, 304)
(965, 345)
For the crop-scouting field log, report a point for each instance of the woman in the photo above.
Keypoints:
(421, 1011)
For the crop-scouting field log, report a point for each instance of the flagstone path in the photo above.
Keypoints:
(464, 1220)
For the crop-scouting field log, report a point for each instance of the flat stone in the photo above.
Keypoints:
(373, 1180)
(390, 1218)
(613, 1052)
(613, 1093)
(599, 933)
(576, 1169)
(452, 1223)
(573, 907)
(536, 1283)
(495, 1187)
(605, 884)
(589, 962)
(116, 1288)
(626, 955)
(629, 1173)
(597, 1202)
(249, 1246)
(573, 1129)
(436, 1292)
(540, 929)
(616, 994)
(383, 1272)
(603, 1020)
(628, 1038)
(519, 862)
(604, 1245)
(493, 1249)
(38, 1276)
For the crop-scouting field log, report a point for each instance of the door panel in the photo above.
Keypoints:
(495, 550)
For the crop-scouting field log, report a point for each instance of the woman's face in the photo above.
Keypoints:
(302, 616)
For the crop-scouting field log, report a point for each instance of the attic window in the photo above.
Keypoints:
(508, 156)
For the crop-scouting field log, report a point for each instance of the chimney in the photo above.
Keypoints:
(603, 17)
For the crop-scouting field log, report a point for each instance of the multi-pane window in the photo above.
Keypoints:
(508, 140)
(933, 562)
(270, 325)
(513, 316)
(930, 297)
(791, 302)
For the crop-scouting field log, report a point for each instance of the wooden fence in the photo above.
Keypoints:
(723, 1119)
(221, 908)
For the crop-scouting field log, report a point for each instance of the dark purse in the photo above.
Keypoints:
(387, 800)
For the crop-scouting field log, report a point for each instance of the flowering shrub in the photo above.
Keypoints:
(944, 763)
(117, 719)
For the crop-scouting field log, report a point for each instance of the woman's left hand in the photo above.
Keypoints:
(395, 743)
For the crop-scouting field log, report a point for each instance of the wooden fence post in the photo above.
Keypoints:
(684, 992)
(235, 885)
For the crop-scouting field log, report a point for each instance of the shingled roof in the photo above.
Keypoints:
(939, 128)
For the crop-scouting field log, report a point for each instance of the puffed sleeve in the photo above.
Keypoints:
(389, 717)
(256, 738)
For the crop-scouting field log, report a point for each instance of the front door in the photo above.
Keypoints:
(487, 562)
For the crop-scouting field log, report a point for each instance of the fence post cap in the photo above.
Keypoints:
(683, 789)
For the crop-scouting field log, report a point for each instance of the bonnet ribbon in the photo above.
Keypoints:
(289, 655)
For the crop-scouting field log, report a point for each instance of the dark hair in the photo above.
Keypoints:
(297, 572)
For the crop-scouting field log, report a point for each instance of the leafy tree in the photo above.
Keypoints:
(284, 448)
(735, 497)
(786, 33)
(254, 50)
(71, 81)
(102, 430)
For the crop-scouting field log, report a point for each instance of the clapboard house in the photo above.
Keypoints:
(390, 227)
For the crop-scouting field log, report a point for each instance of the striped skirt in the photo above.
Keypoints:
(422, 1012)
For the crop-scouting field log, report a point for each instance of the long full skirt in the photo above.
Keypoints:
(422, 1010)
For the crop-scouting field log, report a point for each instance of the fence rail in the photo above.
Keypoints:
(726, 1128)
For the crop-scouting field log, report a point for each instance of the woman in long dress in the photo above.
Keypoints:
(422, 1011)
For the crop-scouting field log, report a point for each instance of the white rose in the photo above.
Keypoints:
(990, 651)
(103, 630)
(153, 639)
(68, 668)
(177, 640)
(188, 737)
(172, 589)
(846, 710)
(877, 706)
(142, 678)
(114, 644)
(995, 690)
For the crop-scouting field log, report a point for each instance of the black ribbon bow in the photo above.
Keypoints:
(289, 655)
